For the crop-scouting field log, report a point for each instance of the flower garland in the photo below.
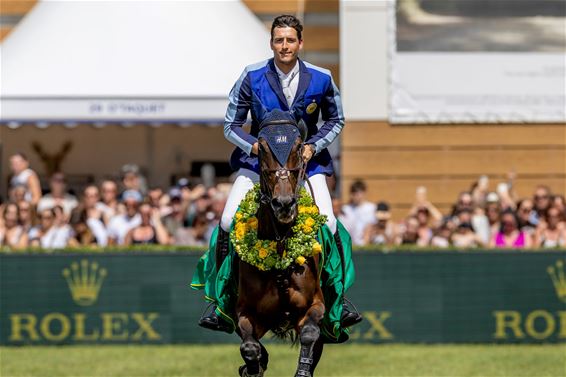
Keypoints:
(263, 253)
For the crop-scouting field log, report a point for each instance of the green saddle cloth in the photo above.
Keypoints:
(222, 288)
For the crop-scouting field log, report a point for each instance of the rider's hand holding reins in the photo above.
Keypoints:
(308, 152)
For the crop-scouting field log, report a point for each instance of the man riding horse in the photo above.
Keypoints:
(305, 91)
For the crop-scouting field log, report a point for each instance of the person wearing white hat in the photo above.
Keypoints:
(121, 224)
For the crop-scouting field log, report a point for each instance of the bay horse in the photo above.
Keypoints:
(287, 302)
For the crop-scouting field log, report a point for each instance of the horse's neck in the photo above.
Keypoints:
(268, 227)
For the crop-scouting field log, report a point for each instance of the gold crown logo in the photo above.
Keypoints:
(84, 281)
(558, 277)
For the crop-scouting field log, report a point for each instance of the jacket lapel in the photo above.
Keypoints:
(273, 79)
(304, 82)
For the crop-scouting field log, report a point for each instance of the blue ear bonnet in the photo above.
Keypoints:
(280, 131)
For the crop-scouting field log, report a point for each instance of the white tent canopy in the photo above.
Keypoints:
(127, 61)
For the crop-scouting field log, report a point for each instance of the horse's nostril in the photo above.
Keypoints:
(275, 203)
(283, 203)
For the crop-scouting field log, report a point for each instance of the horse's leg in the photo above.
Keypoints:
(309, 335)
(317, 353)
(264, 358)
(250, 349)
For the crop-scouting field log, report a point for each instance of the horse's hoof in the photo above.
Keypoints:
(243, 371)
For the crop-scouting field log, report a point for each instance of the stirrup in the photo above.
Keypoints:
(349, 317)
(213, 321)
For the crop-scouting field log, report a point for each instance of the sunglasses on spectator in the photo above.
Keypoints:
(537, 197)
(48, 217)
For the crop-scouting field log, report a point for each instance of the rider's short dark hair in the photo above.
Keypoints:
(286, 20)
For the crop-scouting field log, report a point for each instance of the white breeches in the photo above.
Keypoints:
(246, 180)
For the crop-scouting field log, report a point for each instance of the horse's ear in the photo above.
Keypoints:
(302, 126)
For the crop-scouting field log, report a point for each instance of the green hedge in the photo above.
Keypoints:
(195, 249)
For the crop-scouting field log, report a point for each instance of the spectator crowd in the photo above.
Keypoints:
(126, 212)
(478, 218)
(116, 212)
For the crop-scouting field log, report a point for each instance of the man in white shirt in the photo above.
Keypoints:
(58, 196)
(358, 213)
(121, 224)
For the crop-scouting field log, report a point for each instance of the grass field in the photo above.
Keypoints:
(338, 360)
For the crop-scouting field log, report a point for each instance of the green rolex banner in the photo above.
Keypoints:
(405, 296)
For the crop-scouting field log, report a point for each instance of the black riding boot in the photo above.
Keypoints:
(212, 321)
(349, 317)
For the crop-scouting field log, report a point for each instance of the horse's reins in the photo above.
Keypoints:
(285, 173)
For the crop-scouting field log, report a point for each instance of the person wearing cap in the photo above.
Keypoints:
(492, 211)
(301, 91)
(132, 179)
(381, 232)
(121, 224)
(175, 221)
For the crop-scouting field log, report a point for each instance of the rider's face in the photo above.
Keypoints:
(286, 46)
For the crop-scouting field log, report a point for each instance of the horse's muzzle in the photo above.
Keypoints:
(284, 209)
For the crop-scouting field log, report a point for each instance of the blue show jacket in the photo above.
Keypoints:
(259, 91)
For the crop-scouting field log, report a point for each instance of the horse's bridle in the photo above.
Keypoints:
(282, 173)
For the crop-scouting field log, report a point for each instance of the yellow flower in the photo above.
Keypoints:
(316, 248)
(310, 222)
(252, 222)
(301, 260)
(241, 227)
(303, 209)
(307, 229)
(262, 253)
(239, 215)
(240, 233)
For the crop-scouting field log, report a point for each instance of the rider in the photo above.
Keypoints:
(287, 83)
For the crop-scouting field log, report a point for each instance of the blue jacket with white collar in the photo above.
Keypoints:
(259, 90)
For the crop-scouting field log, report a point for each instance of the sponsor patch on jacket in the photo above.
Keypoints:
(311, 108)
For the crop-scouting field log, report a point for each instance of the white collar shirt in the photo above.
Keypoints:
(289, 82)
